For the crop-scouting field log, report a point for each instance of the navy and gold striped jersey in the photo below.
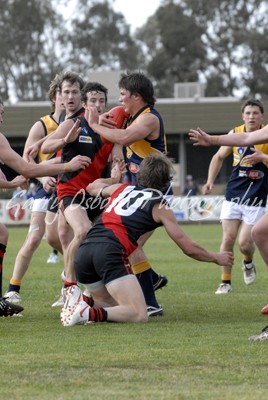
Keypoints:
(137, 151)
(248, 184)
(49, 125)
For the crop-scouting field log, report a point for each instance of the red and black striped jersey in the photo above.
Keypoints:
(127, 215)
(87, 144)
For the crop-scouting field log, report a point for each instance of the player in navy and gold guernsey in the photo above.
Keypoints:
(137, 151)
(101, 263)
(246, 193)
(145, 135)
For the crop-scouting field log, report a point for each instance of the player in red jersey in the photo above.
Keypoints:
(73, 136)
(101, 263)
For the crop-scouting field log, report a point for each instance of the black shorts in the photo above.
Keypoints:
(53, 204)
(101, 261)
(93, 205)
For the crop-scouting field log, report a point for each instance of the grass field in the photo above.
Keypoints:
(198, 350)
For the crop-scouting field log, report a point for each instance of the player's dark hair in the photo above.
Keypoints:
(252, 102)
(137, 82)
(155, 172)
(93, 87)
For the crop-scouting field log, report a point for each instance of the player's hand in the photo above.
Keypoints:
(20, 181)
(207, 188)
(31, 152)
(48, 182)
(225, 258)
(255, 158)
(118, 169)
(78, 162)
(91, 115)
(199, 137)
(73, 133)
(106, 120)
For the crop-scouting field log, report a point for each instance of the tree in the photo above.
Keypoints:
(28, 41)
(101, 39)
(235, 31)
(176, 52)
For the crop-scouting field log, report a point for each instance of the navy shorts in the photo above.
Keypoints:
(53, 204)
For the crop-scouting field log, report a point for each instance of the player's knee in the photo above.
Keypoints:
(245, 246)
(33, 242)
(81, 234)
(140, 315)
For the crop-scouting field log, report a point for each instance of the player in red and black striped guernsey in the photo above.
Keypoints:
(101, 262)
(75, 136)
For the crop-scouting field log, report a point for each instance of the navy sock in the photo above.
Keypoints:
(154, 276)
(146, 282)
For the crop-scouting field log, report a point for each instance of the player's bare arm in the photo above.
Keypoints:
(146, 126)
(215, 167)
(201, 138)
(97, 187)
(256, 157)
(65, 133)
(16, 162)
(36, 133)
(16, 182)
(186, 244)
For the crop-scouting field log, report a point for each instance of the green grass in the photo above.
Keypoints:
(198, 350)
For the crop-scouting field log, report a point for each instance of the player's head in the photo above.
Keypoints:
(72, 78)
(94, 94)
(70, 88)
(155, 172)
(252, 102)
(138, 83)
(252, 114)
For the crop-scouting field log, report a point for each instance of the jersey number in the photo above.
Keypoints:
(127, 204)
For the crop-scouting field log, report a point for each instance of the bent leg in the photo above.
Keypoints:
(129, 297)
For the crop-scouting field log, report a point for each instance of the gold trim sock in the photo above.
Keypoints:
(141, 266)
(14, 285)
(226, 278)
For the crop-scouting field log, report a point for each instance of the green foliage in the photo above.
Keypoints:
(199, 349)
(101, 38)
(28, 55)
(231, 30)
(176, 50)
(221, 42)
